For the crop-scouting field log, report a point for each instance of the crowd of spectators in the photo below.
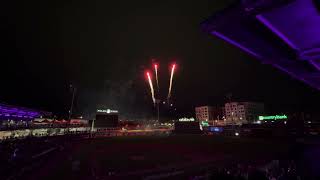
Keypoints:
(16, 154)
(275, 170)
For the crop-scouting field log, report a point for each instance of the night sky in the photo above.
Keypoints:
(104, 47)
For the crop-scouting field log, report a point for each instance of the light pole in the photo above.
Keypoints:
(232, 119)
(72, 100)
(158, 108)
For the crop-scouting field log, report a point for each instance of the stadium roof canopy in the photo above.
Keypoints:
(20, 112)
(283, 33)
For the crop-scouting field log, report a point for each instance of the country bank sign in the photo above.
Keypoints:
(275, 117)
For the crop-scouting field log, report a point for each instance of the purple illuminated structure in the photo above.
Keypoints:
(14, 112)
(283, 33)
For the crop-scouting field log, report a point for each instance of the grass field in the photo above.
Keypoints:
(125, 156)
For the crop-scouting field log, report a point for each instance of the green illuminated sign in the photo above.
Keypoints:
(276, 117)
(204, 123)
(186, 119)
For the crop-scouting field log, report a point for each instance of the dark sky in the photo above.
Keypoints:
(104, 47)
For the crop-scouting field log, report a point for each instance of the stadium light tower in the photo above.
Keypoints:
(72, 100)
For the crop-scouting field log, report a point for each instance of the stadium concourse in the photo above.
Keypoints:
(21, 122)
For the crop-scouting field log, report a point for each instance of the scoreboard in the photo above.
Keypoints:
(106, 118)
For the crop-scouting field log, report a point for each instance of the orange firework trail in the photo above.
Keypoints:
(171, 78)
(151, 88)
(156, 72)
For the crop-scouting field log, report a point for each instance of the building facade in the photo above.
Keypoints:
(238, 113)
(209, 113)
